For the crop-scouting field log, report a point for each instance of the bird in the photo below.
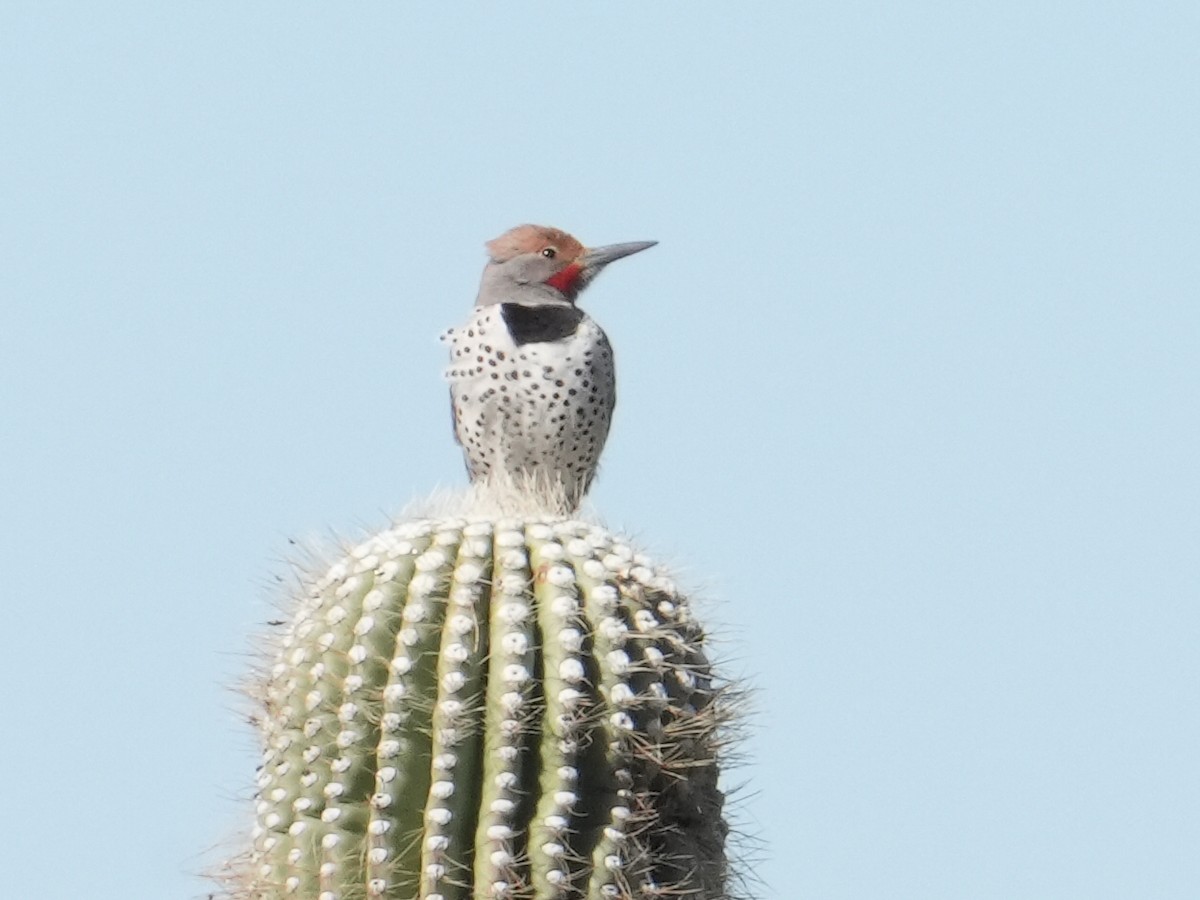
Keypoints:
(532, 377)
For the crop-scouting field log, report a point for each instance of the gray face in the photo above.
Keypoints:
(520, 280)
(530, 268)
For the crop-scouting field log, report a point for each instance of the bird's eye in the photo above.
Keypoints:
(549, 253)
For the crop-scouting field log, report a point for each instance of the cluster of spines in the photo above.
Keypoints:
(430, 678)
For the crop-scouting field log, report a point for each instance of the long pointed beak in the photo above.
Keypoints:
(599, 257)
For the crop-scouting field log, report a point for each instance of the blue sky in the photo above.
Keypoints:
(908, 392)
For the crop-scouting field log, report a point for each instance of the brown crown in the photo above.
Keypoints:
(533, 239)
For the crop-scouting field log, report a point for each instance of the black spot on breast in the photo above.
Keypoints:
(540, 324)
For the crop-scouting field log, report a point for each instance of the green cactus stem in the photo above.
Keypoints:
(518, 709)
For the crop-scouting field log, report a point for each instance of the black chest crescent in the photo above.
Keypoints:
(540, 324)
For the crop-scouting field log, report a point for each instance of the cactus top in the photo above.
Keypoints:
(508, 709)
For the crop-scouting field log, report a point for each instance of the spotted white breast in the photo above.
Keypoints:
(532, 390)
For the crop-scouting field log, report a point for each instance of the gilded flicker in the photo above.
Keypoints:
(532, 382)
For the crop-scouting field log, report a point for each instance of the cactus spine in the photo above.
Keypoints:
(481, 708)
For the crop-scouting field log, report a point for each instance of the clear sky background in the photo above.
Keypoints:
(910, 389)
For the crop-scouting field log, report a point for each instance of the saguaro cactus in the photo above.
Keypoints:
(502, 708)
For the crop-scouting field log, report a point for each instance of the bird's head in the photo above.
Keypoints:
(534, 264)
